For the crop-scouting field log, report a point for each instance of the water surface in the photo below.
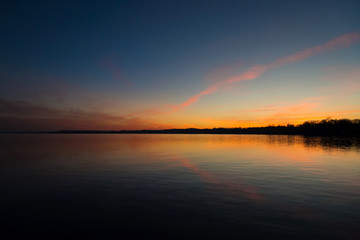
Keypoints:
(180, 186)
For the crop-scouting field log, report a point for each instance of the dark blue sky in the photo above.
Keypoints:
(144, 53)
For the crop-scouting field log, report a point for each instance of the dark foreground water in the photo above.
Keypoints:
(179, 186)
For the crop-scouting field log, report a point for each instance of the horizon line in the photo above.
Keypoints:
(317, 122)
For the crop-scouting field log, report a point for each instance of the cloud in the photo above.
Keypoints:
(221, 73)
(276, 113)
(196, 97)
(258, 70)
(296, 112)
(342, 41)
(17, 115)
(250, 74)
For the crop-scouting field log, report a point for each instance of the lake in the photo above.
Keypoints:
(179, 186)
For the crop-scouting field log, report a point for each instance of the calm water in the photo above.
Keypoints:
(180, 186)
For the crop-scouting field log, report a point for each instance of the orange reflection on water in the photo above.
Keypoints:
(324, 157)
(247, 190)
(258, 168)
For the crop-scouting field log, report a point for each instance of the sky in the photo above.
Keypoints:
(112, 65)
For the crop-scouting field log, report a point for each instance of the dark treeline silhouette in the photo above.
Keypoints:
(326, 127)
(330, 127)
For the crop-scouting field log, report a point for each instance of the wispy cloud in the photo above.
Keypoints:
(295, 112)
(258, 70)
(19, 115)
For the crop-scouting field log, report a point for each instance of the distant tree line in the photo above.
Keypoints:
(329, 127)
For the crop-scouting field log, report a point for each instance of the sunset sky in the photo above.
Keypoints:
(111, 65)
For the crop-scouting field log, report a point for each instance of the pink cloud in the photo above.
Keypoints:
(299, 109)
(283, 112)
(342, 41)
(221, 73)
(258, 70)
(286, 112)
(196, 97)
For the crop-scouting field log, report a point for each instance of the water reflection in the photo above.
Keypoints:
(254, 186)
(223, 185)
(333, 142)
